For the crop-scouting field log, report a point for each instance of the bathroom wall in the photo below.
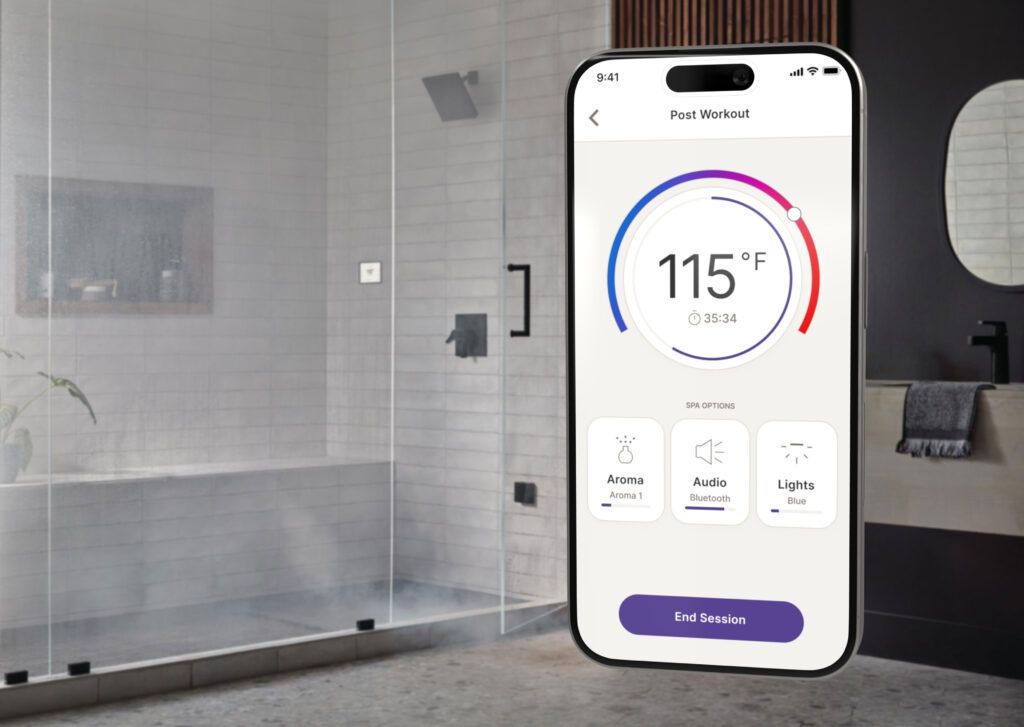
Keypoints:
(922, 61)
(452, 482)
(193, 93)
(359, 177)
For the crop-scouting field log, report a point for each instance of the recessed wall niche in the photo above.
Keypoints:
(117, 247)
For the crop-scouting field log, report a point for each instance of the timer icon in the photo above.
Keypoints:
(694, 318)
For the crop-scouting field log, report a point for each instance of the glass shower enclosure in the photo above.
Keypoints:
(281, 316)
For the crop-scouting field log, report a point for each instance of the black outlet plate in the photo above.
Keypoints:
(525, 493)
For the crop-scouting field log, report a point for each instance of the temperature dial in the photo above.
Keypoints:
(712, 276)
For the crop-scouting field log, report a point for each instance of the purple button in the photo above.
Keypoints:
(711, 618)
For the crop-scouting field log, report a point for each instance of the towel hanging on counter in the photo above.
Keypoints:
(938, 418)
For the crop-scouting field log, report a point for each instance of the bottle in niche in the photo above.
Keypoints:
(45, 285)
(171, 283)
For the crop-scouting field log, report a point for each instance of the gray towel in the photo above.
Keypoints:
(938, 418)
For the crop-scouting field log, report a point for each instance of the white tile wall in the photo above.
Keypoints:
(211, 93)
(985, 184)
(359, 229)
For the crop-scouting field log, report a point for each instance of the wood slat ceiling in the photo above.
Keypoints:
(653, 23)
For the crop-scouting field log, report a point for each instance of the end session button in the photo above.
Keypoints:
(711, 618)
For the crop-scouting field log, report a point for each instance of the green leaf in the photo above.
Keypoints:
(72, 388)
(8, 412)
(23, 439)
(9, 354)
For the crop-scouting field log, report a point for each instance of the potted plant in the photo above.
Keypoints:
(16, 443)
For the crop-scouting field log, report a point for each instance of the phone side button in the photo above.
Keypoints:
(735, 619)
(864, 312)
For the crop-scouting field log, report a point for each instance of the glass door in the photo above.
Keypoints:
(540, 55)
(25, 346)
(220, 462)
(449, 329)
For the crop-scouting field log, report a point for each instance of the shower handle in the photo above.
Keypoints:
(525, 270)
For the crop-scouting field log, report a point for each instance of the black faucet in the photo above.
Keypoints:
(469, 335)
(998, 344)
(464, 341)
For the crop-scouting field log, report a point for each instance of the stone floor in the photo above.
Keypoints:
(544, 680)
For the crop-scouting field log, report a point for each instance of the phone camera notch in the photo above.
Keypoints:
(717, 77)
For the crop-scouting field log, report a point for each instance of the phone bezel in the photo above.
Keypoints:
(857, 325)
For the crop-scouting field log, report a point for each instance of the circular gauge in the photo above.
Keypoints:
(711, 275)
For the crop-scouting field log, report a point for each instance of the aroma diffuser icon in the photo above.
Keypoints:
(625, 454)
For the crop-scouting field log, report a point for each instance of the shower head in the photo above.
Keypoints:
(450, 97)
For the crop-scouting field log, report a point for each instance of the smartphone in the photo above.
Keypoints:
(715, 358)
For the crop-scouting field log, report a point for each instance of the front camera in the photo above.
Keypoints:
(742, 77)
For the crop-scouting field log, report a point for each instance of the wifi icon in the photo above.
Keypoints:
(812, 69)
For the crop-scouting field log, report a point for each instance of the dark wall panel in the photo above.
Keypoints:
(944, 597)
(922, 60)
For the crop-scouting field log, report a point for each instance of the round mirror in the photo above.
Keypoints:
(985, 184)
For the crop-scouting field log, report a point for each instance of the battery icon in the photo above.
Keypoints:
(831, 70)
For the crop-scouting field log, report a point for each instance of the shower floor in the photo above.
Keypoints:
(127, 638)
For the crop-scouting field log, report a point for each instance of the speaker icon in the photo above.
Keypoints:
(708, 451)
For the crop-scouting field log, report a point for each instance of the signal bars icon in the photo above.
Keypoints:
(811, 70)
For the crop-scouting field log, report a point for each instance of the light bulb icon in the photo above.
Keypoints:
(625, 454)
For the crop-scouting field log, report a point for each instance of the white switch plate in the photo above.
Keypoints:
(369, 272)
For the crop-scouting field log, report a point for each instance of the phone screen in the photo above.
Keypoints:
(715, 361)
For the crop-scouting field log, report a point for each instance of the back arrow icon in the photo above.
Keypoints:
(592, 119)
